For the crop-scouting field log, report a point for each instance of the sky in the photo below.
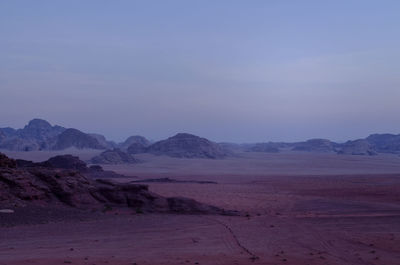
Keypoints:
(233, 71)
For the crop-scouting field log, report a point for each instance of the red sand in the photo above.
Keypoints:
(303, 209)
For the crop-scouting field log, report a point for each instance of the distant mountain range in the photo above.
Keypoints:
(39, 134)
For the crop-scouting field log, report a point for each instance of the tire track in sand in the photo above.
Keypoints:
(253, 256)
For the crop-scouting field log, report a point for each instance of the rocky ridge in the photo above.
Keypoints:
(39, 185)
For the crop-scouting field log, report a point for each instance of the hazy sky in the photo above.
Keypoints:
(242, 71)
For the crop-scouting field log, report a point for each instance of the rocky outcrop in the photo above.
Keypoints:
(75, 138)
(39, 134)
(20, 144)
(103, 141)
(37, 185)
(134, 140)
(385, 143)
(40, 130)
(136, 148)
(357, 147)
(316, 145)
(6, 162)
(184, 145)
(115, 156)
(2, 136)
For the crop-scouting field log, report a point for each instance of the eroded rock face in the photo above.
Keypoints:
(115, 156)
(6, 162)
(385, 143)
(187, 146)
(136, 148)
(136, 139)
(65, 162)
(357, 147)
(75, 138)
(39, 185)
(316, 145)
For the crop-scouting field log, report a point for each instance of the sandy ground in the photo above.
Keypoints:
(302, 209)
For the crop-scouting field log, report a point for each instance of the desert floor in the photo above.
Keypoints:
(298, 208)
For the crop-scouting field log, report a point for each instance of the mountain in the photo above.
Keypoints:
(115, 156)
(186, 145)
(357, 147)
(103, 141)
(40, 130)
(316, 145)
(2, 136)
(385, 143)
(136, 148)
(136, 139)
(75, 138)
(38, 134)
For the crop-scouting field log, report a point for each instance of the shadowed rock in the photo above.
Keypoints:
(75, 138)
(385, 143)
(186, 145)
(38, 185)
(136, 148)
(357, 147)
(136, 139)
(115, 156)
(316, 145)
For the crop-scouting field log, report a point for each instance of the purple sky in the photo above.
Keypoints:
(240, 71)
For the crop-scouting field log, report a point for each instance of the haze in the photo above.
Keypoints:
(241, 71)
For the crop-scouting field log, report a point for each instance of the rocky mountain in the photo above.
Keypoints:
(316, 145)
(385, 143)
(134, 140)
(59, 187)
(186, 145)
(103, 141)
(2, 136)
(39, 134)
(136, 148)
(40, 130)
(115, 156)
(75, 138)
(357, 147)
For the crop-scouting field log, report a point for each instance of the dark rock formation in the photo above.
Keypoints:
(316, 145)
(40, 130)
(65, 162)
(168, 180)
(6, 162)
(115, 156)
(39, 134)
(137, 139)
(20, 144)
(136, 148)
(36, 135)
(103, 141)
(8, 132)
(75, 138)
(37, 185)
(2, 136)
(186, 145)
(385, 143)
(357, 147)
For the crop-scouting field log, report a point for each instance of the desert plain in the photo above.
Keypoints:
(295, 208)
